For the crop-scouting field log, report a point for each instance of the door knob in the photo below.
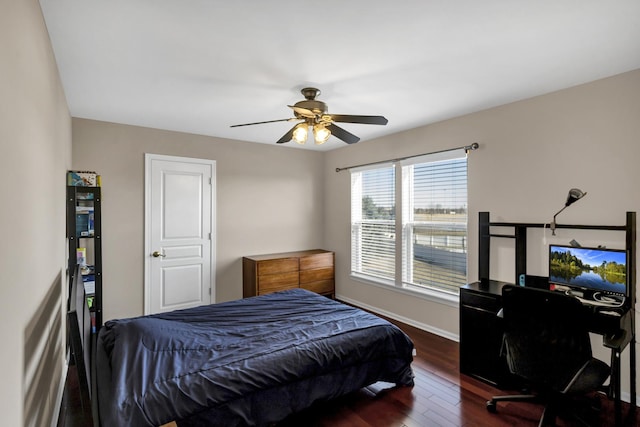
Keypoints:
(157, 254)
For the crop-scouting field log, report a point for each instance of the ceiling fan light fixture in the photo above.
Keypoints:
(311, 115)
(321, 134)
(300, 133)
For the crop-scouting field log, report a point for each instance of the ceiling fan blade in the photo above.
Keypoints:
(367, 120)
(287, 136)
(304, 112)
(268, 121)
(342, 134)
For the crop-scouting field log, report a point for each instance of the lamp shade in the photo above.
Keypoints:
(300, 133)
(321, 134)
(575, 194)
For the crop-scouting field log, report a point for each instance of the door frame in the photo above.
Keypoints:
(148, 158)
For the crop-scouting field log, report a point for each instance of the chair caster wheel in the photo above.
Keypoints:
(491, 406)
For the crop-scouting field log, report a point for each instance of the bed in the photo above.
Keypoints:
(243, 363)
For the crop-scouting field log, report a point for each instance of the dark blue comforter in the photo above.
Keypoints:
(247, 362)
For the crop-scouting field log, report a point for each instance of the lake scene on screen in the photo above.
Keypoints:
(597, 269)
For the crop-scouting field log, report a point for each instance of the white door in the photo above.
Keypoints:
(179, 235)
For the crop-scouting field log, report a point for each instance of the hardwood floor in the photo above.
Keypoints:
(74, 411)
(440, 397)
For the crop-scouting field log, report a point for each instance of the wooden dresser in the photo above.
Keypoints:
(312, 270)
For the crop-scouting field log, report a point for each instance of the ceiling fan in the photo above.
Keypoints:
(312, 114)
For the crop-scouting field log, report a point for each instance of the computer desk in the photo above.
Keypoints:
(480, 350)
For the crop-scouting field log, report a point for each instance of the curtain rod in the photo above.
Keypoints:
(466, 148)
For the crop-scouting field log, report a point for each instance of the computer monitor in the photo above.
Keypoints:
(592, 272)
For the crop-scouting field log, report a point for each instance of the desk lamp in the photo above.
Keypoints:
(575, 194)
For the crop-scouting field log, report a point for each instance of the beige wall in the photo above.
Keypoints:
(35, 141)
(531, 153)
(269, 199)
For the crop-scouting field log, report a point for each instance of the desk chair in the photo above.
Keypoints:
(547, 344)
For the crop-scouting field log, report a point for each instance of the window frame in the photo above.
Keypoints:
(402, 214)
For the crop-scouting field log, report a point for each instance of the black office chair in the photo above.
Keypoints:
(546, 342)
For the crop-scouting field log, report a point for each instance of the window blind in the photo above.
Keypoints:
(373, 222)
(434, 223)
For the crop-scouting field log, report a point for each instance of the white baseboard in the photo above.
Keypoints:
(399, 318)
(60, 395)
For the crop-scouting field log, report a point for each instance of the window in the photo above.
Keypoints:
(373, 216)
(427, 206)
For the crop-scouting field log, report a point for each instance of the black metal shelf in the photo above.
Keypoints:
(73, 240)
(571, 226)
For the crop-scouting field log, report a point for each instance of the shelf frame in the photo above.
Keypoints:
(74, 240)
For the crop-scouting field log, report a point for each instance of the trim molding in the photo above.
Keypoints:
(63, 383)
(399, 318)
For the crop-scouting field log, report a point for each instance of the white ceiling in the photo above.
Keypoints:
(199, 66)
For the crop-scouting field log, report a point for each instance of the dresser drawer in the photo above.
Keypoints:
(307, 276)
(280, 265)
(320, 287)
(486, 302)
(316, 261)
(279, 281)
